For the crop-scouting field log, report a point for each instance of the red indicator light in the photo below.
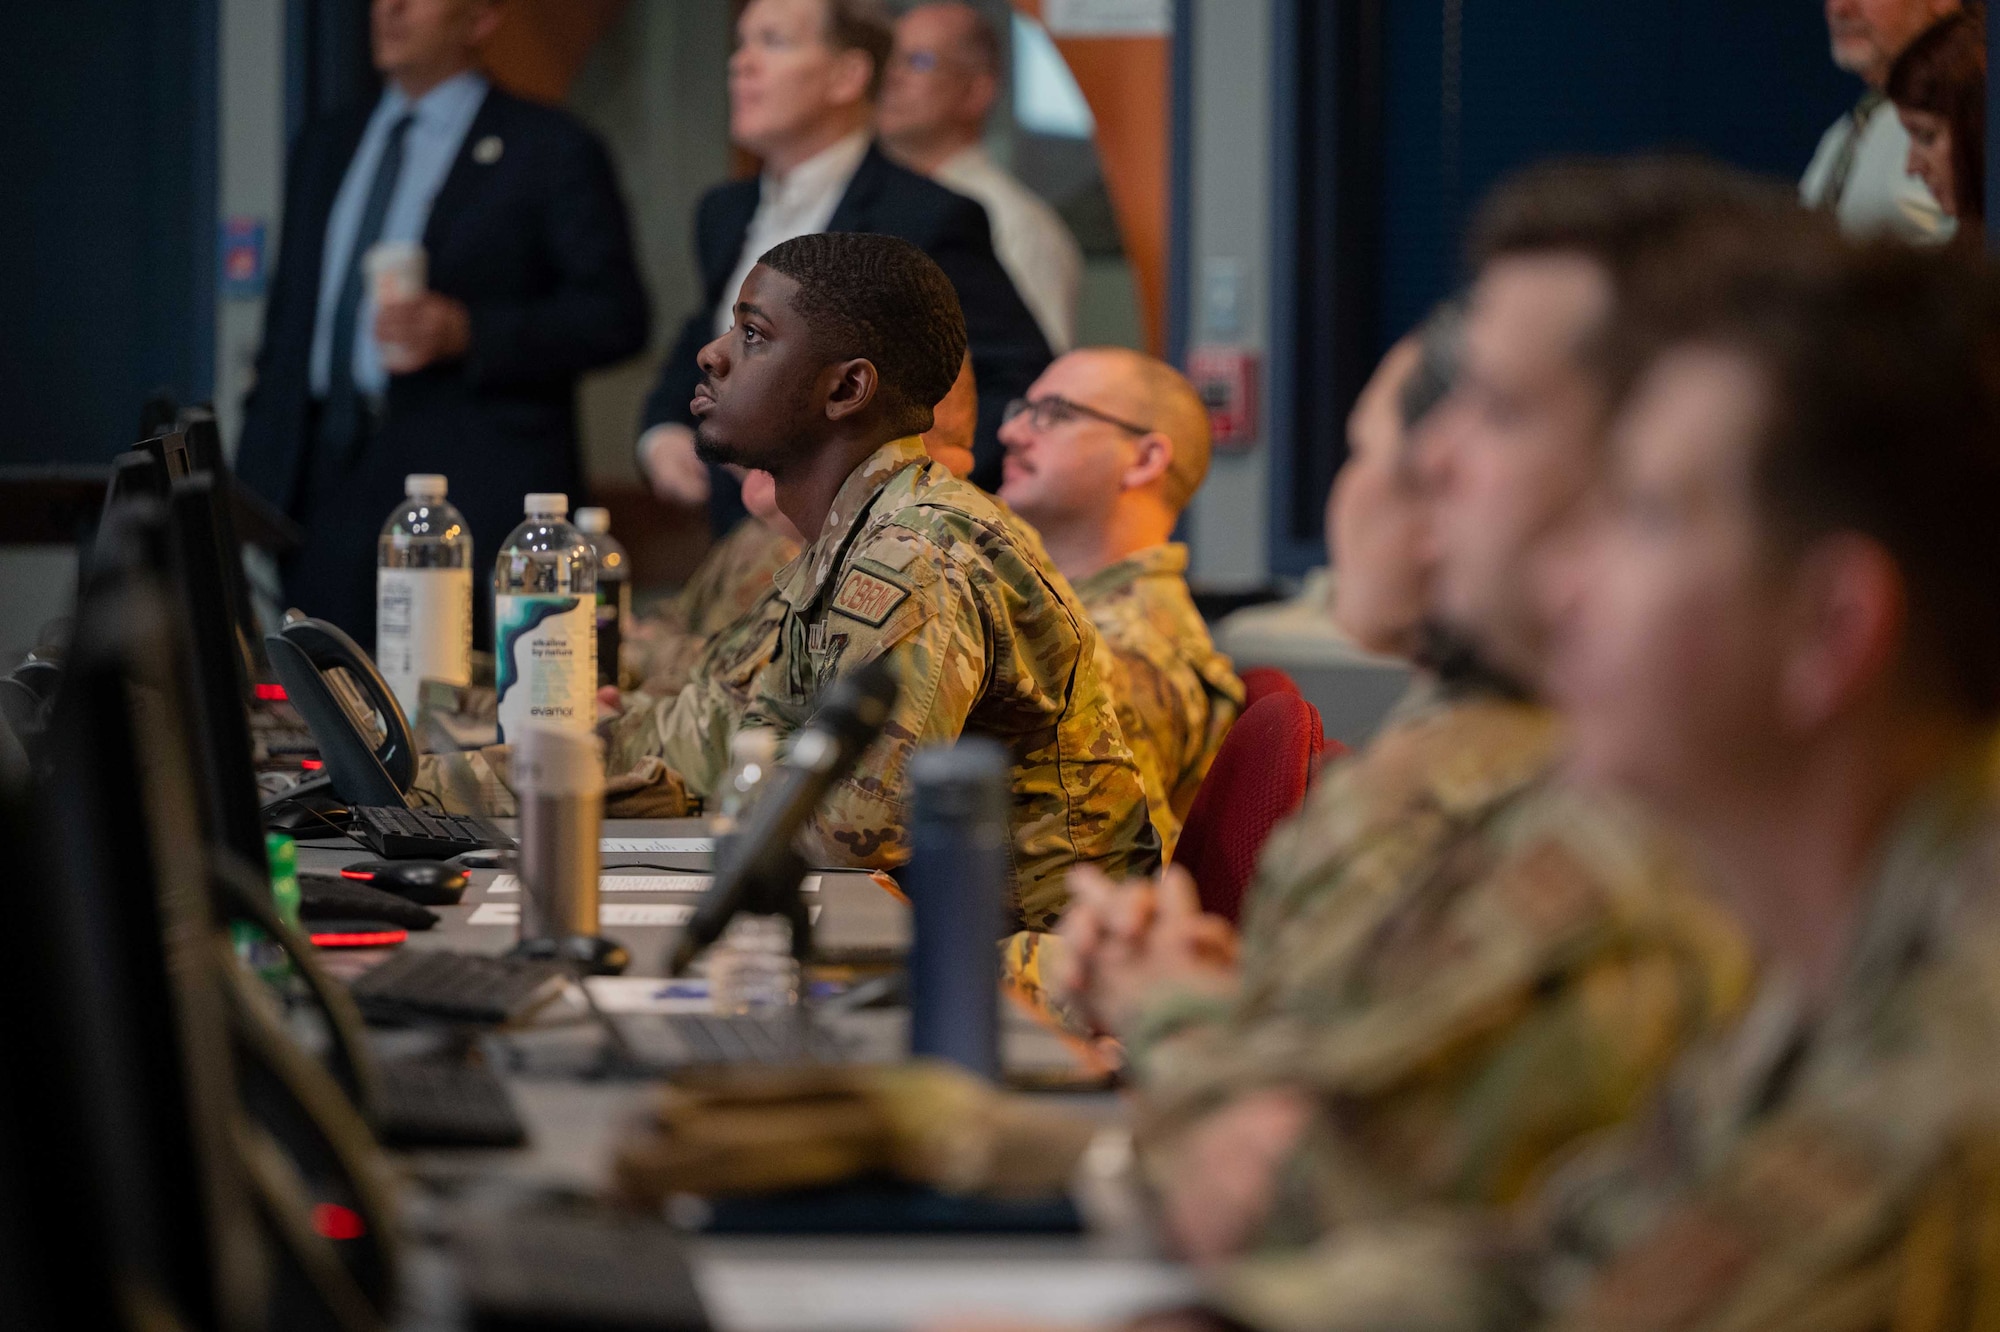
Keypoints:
(269, 693)
(334, 1222)
(359, 876)
(360, 938)
(312, 765)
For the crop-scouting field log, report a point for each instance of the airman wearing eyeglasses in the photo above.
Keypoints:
(1102, 455)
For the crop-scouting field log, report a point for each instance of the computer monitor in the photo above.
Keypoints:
(214, 667)
(123, 1094)
(203, 442)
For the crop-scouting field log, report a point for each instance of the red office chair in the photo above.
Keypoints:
(1260, 775)
(1263, 681)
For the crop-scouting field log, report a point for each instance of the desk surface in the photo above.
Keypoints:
(764, 1284)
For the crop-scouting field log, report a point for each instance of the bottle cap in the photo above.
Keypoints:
(544, 501)
(593, 520)
(424, 485)
(754, 744)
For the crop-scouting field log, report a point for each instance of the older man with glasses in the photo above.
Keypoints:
(1102, 456)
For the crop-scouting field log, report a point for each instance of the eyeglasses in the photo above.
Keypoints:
(1052, 411)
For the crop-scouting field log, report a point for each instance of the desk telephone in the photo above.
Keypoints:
(366, 744)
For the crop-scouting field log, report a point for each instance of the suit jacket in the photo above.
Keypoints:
(1008, 349)
(536, 244)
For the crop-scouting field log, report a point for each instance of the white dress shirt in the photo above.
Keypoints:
(1878, 193)
(440, 119)
(800, 204)
(1032, 243)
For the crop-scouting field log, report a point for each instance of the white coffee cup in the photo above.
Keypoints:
(396, 271)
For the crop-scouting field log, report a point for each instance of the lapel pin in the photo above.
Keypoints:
(487, 151)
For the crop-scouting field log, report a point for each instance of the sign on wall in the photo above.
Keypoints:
(1108, 18)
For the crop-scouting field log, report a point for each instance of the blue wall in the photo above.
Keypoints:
(107, 227)
(1747, 81)
(1470, 90)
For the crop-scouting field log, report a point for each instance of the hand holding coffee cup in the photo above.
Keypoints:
(414, 327)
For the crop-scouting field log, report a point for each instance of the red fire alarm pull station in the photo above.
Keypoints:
(1226, 378)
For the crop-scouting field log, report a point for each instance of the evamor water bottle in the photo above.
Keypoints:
(545, 621)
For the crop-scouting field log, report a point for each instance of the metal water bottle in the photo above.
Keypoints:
(559, 780)
(961, 863)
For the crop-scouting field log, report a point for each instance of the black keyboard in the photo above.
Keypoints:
(413, 834)
(576, 1269)
(433, 985)
(428, 1103)
(709, 1039)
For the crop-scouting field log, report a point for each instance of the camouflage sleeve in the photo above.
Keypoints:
(1429, 1272)
(936, 646)
(1147, 716)
(689, 733)
(689, 730)
(1547, 1007)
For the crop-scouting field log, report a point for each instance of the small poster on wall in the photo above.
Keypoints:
(1108, 18)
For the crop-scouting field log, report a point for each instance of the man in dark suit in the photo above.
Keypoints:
(531, 282)
(802, 89)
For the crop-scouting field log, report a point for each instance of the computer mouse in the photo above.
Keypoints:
(430, 882)
(309, 818)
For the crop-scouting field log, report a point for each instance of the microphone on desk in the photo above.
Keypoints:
(760, 871)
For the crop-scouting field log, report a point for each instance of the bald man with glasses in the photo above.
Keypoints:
(1101, 457)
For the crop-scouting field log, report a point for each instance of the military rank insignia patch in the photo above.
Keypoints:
(868, 598)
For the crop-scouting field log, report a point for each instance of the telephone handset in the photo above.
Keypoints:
(363, 738)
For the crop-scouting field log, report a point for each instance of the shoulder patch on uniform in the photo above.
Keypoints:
(869, 598)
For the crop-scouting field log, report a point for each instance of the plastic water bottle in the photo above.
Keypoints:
(614, 590)
(545, 621)
(751, 970)
(752, 752)
(423, 592)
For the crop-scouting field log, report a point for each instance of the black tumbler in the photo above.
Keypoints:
(961, 862)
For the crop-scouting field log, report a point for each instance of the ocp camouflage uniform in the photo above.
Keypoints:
(1466, 966)
(1837, 1170)
(728, 583)
(985, 639)
(1176, 695)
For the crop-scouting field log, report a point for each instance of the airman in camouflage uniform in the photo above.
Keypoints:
(921, 567)
(1177, 696)
(1103, 455)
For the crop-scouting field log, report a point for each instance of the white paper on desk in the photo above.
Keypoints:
(506, 884)
(625, 846)
(614, 913)
(806, 1294)
(649, 994)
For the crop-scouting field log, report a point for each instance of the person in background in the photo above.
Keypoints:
(1938, 86)
(1860, 171)
(531, 283)
(803, 83)
(1102, 456)
(1453, 966)
(943, 81)
(841, 345)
